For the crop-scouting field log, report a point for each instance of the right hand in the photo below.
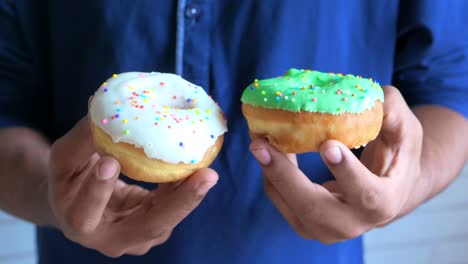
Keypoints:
(97, 210)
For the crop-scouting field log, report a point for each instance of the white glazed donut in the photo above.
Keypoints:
(159, 126)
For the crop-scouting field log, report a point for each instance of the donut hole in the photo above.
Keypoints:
(323, 80)
(179, 102)
(185, 104)
(162, 93)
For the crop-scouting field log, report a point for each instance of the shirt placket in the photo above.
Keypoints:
(194, 22)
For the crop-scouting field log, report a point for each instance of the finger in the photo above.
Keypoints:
(292, 158)
(305, 228)
(284, 175)
(63, 191)
(309, 201)
(331, 186)
(359, 186)
(126, 196)
(143, 248)
(351, 175)
(400, 127)
(322, 216)
(167, 208)
(281, 205)
(171, 185)
(139, 250)
(90, 100)
(398, 118)
(72, 151)
(334, 189)
(87, 208)
(392, 107)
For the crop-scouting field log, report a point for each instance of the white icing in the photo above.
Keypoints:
(194, 119)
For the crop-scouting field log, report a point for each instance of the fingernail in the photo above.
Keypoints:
(333, 155)
(107, 170)
(262, 155)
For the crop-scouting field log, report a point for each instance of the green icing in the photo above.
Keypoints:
(313, 91)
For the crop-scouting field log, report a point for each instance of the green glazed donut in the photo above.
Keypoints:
(313, 91)
(300, 110)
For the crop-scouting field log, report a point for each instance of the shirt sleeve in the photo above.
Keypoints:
(24, 100)
(431, 63)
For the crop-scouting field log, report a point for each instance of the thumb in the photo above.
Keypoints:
(71, 151)
(193, 189)
(353, 178)
(167, 208)
(88, 206)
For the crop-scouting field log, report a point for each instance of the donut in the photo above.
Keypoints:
(301, 109)
(160, 127)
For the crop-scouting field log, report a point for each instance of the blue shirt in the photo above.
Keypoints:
(54, 54)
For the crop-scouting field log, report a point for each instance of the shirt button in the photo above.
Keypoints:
(192, 11)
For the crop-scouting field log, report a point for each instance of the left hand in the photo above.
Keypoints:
(383, 185)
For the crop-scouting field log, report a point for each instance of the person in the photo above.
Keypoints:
(308, 208)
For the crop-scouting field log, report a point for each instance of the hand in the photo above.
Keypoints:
(385, 184)
(97, 210)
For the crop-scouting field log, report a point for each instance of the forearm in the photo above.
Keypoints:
(24, 159)
(445, 148)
